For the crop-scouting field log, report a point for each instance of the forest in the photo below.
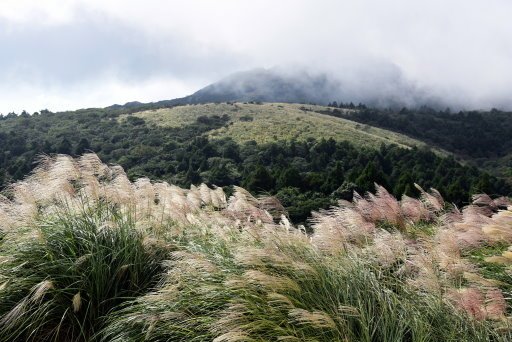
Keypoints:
(305, 175)
(470, 134)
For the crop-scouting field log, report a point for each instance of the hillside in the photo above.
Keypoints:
(303, 154)
(478, 137)
(483, 138)
(269, 122)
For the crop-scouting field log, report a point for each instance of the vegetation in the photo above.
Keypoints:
(235, 269)
(214, 144)
(61, 286)
(269, 122)
(483, 137)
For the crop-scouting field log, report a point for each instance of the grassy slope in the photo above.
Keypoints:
(277, 121)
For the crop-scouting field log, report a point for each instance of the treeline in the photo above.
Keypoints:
(312, 174)
(305, 175)
(472, 134)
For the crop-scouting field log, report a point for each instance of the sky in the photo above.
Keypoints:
(64, 55)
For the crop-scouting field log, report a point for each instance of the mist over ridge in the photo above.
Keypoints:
(382, 88)
(80, 54)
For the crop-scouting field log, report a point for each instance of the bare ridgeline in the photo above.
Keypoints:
(235, 269)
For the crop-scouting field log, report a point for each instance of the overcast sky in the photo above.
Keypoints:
(87, 53)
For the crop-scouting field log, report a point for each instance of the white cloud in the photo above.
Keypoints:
(456, 47)
(104, 93)
(44, 12)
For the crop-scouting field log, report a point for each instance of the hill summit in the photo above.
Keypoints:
(386, 88)
(269, 85)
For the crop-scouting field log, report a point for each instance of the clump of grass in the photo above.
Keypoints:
(497, 272)
(281, 289)
(62, 279)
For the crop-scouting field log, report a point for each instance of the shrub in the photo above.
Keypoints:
(63, 276)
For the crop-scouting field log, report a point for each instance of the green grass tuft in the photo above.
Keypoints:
(71, 271)
(249, 291)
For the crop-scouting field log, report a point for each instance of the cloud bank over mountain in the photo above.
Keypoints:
(389, 90)
(70, 54)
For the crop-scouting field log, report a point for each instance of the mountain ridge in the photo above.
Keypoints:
(383, 90)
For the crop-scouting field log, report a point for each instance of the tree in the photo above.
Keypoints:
(260, 180)
(192, 176)
(371, 174)
(82, 147)
(65, 146)
(290, 177)
(3, 178)
(345, 191)
(334, 179)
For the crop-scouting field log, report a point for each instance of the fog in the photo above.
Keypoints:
(71, 54)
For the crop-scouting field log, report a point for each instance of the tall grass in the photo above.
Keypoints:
(89, 256)
(282, 289)
(75, 268)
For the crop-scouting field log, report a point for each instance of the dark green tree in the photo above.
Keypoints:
(82, 147)
(192, 176)
(65, 146)
(290, 177)
(260, 180)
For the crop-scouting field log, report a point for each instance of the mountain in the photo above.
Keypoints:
(269, 86)
(387, 88)
(382, 87)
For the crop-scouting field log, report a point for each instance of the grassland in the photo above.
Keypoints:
(269, 122)
(88, 256)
